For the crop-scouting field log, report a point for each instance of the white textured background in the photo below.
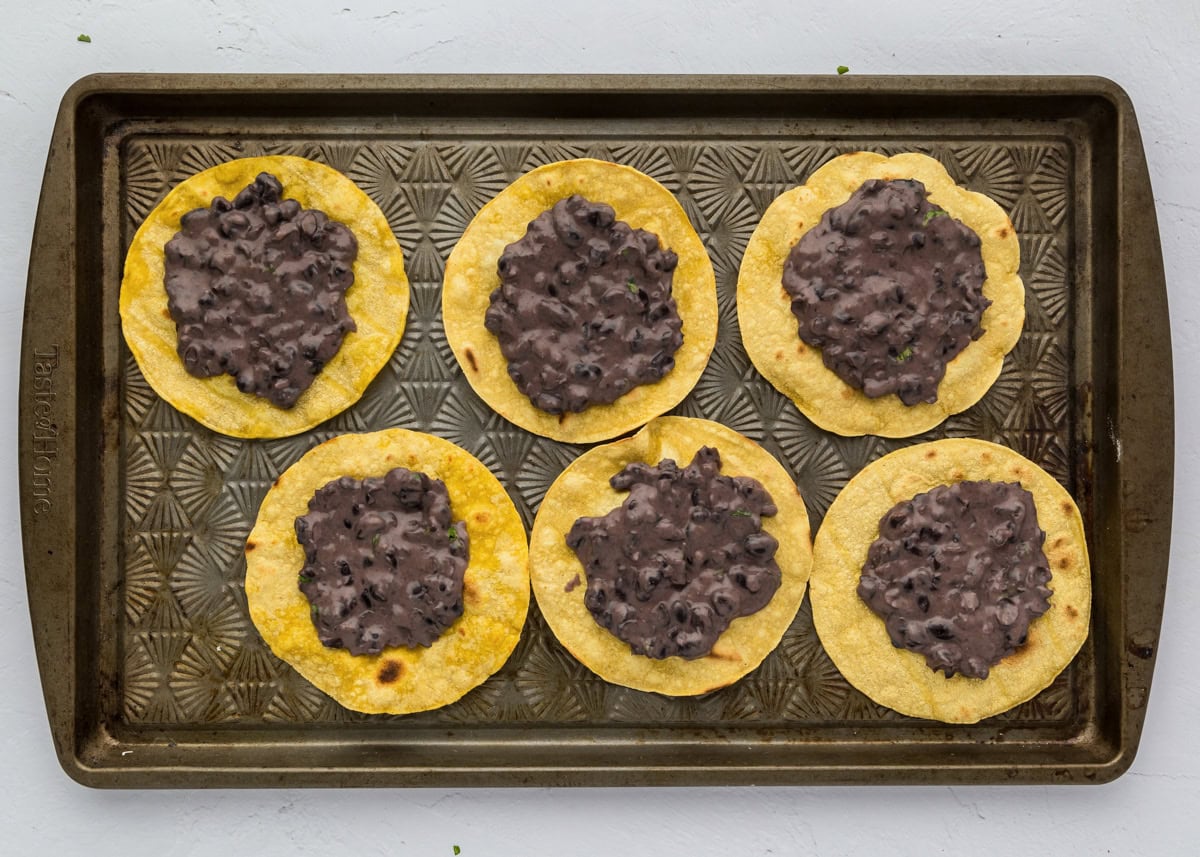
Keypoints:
(1154, 809)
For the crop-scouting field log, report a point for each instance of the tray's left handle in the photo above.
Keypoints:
(47, 432)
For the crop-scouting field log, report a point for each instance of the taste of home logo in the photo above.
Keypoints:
(45, 430)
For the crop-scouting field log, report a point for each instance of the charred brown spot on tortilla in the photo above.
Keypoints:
(250, 546)
(1071, 611)
(384, 561)
(890, 288)
(257, 288)
(470, 355)
(958, 573)
(584, 311)
(389, 672)
(681, 558)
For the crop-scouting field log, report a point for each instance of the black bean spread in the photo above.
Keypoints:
(890, 288)
(958, 573)
(584, 311)
(383, 561)
(257, 290)
(680, 559)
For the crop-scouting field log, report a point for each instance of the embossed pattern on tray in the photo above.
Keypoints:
(190, 652)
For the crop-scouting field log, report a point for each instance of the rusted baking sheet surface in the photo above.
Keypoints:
(134, 516)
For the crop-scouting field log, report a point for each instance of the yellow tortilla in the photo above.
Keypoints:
(495, 584)
(769, 329)
(583, 490)
(377, 301)
(471, 277)
(856, 638)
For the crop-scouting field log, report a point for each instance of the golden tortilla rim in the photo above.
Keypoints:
(495, 584)
(471, 277)
(377, 301)
(856, 639)
(583, 490)
(769, 329)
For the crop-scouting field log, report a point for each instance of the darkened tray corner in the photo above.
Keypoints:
(131, 705)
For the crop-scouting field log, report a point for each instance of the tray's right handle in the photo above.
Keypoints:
(1145, 425)
(47, 432)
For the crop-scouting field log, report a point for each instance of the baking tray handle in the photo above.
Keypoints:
(46, 433)
(1145, 412)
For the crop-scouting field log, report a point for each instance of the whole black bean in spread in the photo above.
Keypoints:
(958, 573)
(383, 561)
(680, 559)
(890, 288)
(584, 311)
(257, 290)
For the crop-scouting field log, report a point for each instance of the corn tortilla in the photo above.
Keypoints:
(495, 585)
(471, 277)
(769, 329)
(583, 490)
(377, 301)
(856, 638)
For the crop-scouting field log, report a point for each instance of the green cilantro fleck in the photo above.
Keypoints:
(842, 69)
(905, 354)
(375, 540)
(932, 213)
(306, 577)
(453, 534)
(83, 37)
(314, 609)
(457, 850)
(633, 287)
(741, 513)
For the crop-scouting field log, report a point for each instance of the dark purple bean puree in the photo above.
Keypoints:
(257, 289)
(383, 561)
(584, 311)
(680, 559)
(958, 573)
(890, 288)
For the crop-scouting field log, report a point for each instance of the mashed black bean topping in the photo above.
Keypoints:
(958, 573)
(257, 288)
(890, 288)
(584, 311)
(383, 561)
(682, 557)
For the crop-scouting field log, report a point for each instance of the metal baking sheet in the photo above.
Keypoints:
(134, 516)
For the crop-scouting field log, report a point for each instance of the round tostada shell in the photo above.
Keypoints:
(857, 640)
(377, 301)
(583, 490)
(770, 331)
(495, 584)
(471, 277)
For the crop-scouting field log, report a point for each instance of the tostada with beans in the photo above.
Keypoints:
(951, 580)
(261, 296)
(390, 570)
(580, 303)
(881, 297)
(674, 560)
